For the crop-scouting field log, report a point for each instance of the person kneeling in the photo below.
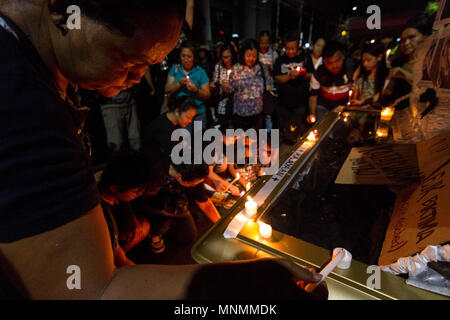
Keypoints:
(127, 176)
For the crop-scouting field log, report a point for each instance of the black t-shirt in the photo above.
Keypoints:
(157, 136)
(46, 178)
(294, 93)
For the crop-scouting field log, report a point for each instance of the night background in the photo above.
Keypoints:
(217, 20)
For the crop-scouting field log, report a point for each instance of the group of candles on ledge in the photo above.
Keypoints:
(251, 207)
(386, 116)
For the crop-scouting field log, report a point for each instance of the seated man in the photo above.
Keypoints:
(126, 177)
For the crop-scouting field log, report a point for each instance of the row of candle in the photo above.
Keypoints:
(251, 207)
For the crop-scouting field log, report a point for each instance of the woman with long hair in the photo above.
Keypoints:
(221, 77)
(370, 76)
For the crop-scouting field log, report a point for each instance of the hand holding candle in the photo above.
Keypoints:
(236, 179)
(341, 259)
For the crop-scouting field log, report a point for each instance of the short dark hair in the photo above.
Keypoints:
(318, 38)
(182, 104)
(291, 36)
(264, 33)
(124, 16)
(131, 169)
(191, 172)
(249, 44)
(332, 47)
(188, 44)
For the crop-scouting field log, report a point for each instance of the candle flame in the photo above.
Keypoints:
(237, 176)
(248, 186)
(249, 198)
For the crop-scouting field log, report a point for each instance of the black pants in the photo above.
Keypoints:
(251, 122)
(292, 122)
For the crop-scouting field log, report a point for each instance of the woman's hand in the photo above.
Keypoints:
(183, 81)
(191, 87)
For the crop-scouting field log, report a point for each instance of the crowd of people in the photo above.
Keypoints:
(141, 192)
(249, 86)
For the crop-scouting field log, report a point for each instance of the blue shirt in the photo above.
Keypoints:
(198, 76)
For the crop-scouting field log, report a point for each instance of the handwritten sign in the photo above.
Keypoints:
(421, 217)
(386, 164)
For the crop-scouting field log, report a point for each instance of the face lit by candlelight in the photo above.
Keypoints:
(227, 58)
(410, 40)
(291, 49)
(369, 61)
(99, 58)
(250, 57)
(187, 59)
(334, 63)
(264, 43)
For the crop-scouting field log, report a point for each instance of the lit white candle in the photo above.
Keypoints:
(265, 230)
(313, 136)
(251, 207)
(387, 113)
(382, 132)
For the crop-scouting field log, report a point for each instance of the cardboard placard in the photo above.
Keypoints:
(421, 217)
(386, 164)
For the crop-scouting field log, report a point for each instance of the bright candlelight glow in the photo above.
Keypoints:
(387, 113)
(382, 132)
(251, 207)
(312, 137)
(313, 119)
(265, 230)
(242, 193)
(247, 187)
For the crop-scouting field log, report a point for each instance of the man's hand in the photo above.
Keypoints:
(266, 278)
(311, 119)
(294, 74)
